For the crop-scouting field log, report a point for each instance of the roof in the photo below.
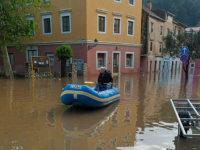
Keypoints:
(193, 28)
(148, 10)
(170, 13)
(165, 11)
(175, 21)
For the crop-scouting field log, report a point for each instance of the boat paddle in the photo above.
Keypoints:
(90, 82)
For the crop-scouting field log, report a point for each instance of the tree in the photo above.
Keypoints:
(14, 25)
(174, 43)
(63, 53)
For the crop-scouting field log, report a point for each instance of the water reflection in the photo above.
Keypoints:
(127, 116)
(186, 143)
(128, 87)
(32, 116)
(50, 118)
(34, 113)
(81, 122)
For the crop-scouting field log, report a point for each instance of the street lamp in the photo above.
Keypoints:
(91, 46)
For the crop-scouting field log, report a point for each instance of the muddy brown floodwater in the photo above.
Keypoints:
(32, 116)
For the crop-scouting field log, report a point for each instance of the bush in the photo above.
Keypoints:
(63, 53)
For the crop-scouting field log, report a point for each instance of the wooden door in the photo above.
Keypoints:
(115, 63)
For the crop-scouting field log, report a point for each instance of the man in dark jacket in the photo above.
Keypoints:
(104, 80)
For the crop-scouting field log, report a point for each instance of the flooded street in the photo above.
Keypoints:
(33, 117)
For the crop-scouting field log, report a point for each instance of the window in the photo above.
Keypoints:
(31, 53)
(51, 58)
(130, 27)
(118, 1)
(117, 25)
(101, 62)
(101, 59)
(132, 2)
(175, 29)
(179, 30)
(11, 58)
(151, 27)
(47, 27)
(129, 60)
(160, 47)
(101, 24)
(192, 65)
(65, 22)
(161, 30)
(151, 46)
(168, 31)
(68, 62)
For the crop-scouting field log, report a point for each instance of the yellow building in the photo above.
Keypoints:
(115, 24)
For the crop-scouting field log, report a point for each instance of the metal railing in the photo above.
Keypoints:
(191, 106)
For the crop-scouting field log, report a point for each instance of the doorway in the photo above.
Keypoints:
(116, 63)
(159, 65)
(176, 65)
(172, 65)
(166, 65)
(155, 69)
(79, 66)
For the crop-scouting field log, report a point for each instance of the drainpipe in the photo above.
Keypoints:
(162, 62)
(148, 40)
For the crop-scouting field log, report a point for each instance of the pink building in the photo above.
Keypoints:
(195, 29)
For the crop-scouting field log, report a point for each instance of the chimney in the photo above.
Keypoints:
(149, 4)
(198, 25)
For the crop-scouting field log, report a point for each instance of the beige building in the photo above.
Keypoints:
(156, 23)
(179, 27)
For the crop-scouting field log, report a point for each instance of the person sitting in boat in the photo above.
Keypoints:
(104, 80)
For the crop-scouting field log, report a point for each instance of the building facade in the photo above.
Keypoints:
(152, 32)
(156, 23)
(116, 24)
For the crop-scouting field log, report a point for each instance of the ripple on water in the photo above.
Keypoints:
(32, 116)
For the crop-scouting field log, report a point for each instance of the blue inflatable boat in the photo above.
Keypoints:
(85, 96)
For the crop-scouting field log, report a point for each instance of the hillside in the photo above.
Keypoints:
(185, 11)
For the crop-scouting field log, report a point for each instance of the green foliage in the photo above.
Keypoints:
(13, 21)
(173, 44)
(64, 52)
(185, 11)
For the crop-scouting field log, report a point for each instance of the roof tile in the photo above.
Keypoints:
(148, 10)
